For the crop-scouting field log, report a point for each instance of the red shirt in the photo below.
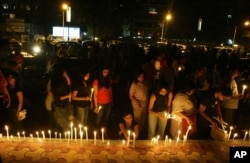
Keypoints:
(104, 95)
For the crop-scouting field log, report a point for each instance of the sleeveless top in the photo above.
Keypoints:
(161, 102)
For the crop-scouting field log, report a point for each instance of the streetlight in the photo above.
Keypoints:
(246, 23)
(168, 17)
(64, 7)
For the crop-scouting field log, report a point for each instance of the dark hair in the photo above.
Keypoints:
(226, 92)
(126, 112)
(137, 73)
(162, 85)
(187, 86)
(104, 81)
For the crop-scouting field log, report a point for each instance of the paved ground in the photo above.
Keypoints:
(61, 150)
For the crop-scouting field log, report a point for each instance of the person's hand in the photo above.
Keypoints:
(96, 110)
(214, 125)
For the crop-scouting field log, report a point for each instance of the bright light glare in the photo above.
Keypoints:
(36, 49)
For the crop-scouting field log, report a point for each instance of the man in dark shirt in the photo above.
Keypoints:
(209, 107)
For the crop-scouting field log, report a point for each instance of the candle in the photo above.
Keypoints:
(235, 135)
(31, 137)
(60, 136)
(134, 139)
(49, 134)
(94, 137)
(75, 133)
(99, 108)
(68, 136)
(7, 132)
(184, 139)
(102, 135)
(245, 136)
(230, 131)
(1, 136)
(56, 135)
(128, 138)
(189, 128)
(86, 131)
(81, 136)
(23, 135)
(243, 89)
(177, 140)
(123, 142)
(170, 141)
(153, 140)
(166, 139)
(18, 134)
(37, 134)
(43, 135)
(71, 130)
(80, 127)
(108, 143)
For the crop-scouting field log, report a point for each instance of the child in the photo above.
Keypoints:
(127, 123)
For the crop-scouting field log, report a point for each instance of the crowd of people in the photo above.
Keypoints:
(165, 91)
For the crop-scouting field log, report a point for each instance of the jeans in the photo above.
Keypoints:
(156, 125)
(103, 116)
(82, 114)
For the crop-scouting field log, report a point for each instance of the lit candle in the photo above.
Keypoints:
(170, 141)
(18, 134)
(128, 138)
(94, 137)
(177, 140)
(80, 127)
(102, 130)
(245, 136)
(153, 140)
(123, 142)
(56, 135)
(99, 108)
(37, 134)
(235, 135)
(71, 130)
(86, 131)
(68, 136)
(134, 139)
(189, 128)
(166, 139)
(184, 139)
(49, 135)
(60, 136)
(23, 135)
(81, 136)
(108, 143)
(43, 135)
(75, 134)
(31, 137)
(7, 132)
(1, 136)
(230, 131)
(243, 89)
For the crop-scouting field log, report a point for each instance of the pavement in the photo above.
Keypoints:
(63, 150)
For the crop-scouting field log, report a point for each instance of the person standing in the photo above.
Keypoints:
(81, 97)
(138, 94)
(16, 105)
(61, 92)
(230, 106)
(159, 106)
(102, 97)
